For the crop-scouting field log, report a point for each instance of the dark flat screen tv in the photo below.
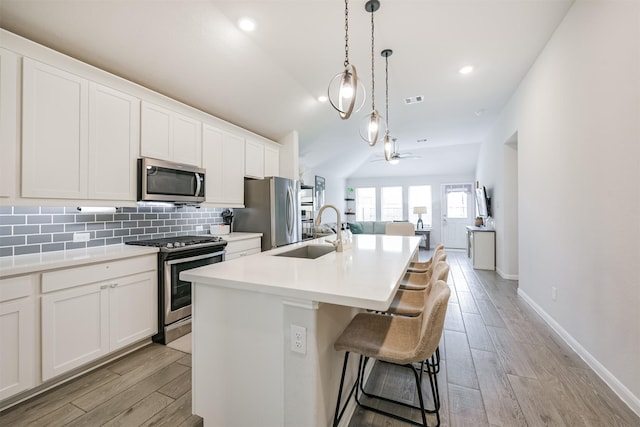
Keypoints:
(484, 203)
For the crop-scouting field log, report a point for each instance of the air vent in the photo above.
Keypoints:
(414, 99)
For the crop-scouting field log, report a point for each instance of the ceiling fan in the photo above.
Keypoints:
(396, 156)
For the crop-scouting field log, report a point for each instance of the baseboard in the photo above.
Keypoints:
(618, 388)
(507, 276)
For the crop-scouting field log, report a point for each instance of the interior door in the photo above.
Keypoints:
(457, 213)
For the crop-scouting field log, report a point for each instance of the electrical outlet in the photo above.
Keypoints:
(81, 237)
(199, 228)
(298, 339)
(554, 293)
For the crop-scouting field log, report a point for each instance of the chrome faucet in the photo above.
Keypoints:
(338, 242)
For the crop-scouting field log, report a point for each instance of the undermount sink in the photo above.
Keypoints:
(308, 252)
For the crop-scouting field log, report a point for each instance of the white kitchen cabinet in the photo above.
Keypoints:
(271, 160)
(18, 335)
(170, 136)
(223, 158)
(80, 139)
(54, 132)
(8, 122)
(254, 159)
(83, 319)
(114, 133)
(242, 247)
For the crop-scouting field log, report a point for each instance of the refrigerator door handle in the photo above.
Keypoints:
(290, 211)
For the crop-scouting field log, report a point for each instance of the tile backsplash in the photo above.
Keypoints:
(34, 229)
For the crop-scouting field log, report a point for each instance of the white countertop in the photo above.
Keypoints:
(32, 263)
(366, 275)
(235, 236)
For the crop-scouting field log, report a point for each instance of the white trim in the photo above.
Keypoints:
(308, 305)
(507, 276)
(614, 383)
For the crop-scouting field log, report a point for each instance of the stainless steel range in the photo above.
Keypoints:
(174, 295)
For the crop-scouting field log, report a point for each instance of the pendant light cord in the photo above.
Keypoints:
(346, 33)
(386, 82)
(373, 74)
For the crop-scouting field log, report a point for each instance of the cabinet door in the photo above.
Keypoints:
(271, 161)
(114, 132)
(254, 159)
(75, 327)
(8, 122)
(54, 132)
(187, 140)
(223, 158)
(155, 132)
(133, 309)
(17, 352)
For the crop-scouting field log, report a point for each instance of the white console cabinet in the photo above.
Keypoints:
(84, 319)
(18, 352)
(481, 247)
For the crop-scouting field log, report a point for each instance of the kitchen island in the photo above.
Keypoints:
(264, 327)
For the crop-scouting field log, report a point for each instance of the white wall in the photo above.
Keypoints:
(435, 181)
(577, 117)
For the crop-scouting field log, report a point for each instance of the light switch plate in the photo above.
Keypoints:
(81, 237)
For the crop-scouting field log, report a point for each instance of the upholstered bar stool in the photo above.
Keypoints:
(422, 267)
(411, 302)
(398, 340)
(419, 281)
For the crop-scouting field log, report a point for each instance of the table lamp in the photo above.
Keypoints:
(419, 210)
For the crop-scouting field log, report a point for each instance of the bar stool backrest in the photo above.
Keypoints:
(433, 320)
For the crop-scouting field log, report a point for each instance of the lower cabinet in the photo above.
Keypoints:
(86, 321)
(236, 249)
(18, 356)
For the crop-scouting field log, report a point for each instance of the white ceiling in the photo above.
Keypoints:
(267, 81)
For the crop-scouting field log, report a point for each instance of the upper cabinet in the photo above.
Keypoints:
(8, 122)
(114, 130)
(254, 159)
(261, 159)
(168, 135)
(68, 152)
(271, 160)
(223, 157)
(55, 132)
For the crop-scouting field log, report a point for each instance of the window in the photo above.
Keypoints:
(420, 196)
(391, 201)
(365, 204)
(457, 204)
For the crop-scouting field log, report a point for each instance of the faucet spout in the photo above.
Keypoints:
(338, 242)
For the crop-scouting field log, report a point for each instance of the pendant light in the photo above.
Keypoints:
(388, 149)
(345, 88)
(370, 126)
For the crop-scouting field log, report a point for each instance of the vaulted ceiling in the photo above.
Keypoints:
(268, 80)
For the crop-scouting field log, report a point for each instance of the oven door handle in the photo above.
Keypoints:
(195, 258)
(198, 184)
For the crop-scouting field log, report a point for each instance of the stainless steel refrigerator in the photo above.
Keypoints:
(272, 207)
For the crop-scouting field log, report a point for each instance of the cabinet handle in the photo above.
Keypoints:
(103, 286)
(113, 285)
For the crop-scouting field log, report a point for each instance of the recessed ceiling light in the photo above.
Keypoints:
(322, 98)
(466, 70)
(246, 24)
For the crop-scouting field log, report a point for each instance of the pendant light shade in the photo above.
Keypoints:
(346, 93)
(370, 128)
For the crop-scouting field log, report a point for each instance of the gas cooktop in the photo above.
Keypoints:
(180, 242)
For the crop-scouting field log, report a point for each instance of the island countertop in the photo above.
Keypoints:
(365, 275)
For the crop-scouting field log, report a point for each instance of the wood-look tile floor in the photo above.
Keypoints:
(501, 366)
(150, 387)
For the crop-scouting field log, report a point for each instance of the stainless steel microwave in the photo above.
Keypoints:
(159, 180)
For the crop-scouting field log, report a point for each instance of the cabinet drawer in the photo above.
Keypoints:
(235, 255)
(70, 277)
(15, 287)
(243, 245)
